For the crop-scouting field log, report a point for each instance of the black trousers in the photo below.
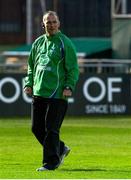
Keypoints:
(47, 117)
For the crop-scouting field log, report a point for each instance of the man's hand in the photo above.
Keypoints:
(28, 91)
(67, 93)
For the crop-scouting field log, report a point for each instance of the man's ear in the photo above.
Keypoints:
(58, 24)
(42, 24)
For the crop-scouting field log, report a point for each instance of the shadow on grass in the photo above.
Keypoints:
(94, 169)
(84, 169)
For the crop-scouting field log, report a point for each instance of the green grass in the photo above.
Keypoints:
(100, 148)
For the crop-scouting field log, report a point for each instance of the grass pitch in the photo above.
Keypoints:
(100, 148)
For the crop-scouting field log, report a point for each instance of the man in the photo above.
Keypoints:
(52, 76)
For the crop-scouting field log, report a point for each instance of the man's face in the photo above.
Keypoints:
(51, 24)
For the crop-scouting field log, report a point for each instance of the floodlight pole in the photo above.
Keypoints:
(43, 6)
(28, 21)
(55, 4)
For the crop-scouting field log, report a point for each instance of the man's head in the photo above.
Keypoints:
(51, 23)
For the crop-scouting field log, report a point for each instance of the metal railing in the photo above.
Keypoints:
(13, 63)
(105, 66)
(17, 63)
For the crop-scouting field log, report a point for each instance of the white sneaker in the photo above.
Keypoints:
(42, 169)
(64, 154)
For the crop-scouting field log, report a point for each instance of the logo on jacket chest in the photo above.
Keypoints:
(43, 63)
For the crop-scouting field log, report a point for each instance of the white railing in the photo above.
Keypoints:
(105, 65)
(12, 62)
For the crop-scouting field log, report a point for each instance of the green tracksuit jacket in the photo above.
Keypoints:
(52, 65)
